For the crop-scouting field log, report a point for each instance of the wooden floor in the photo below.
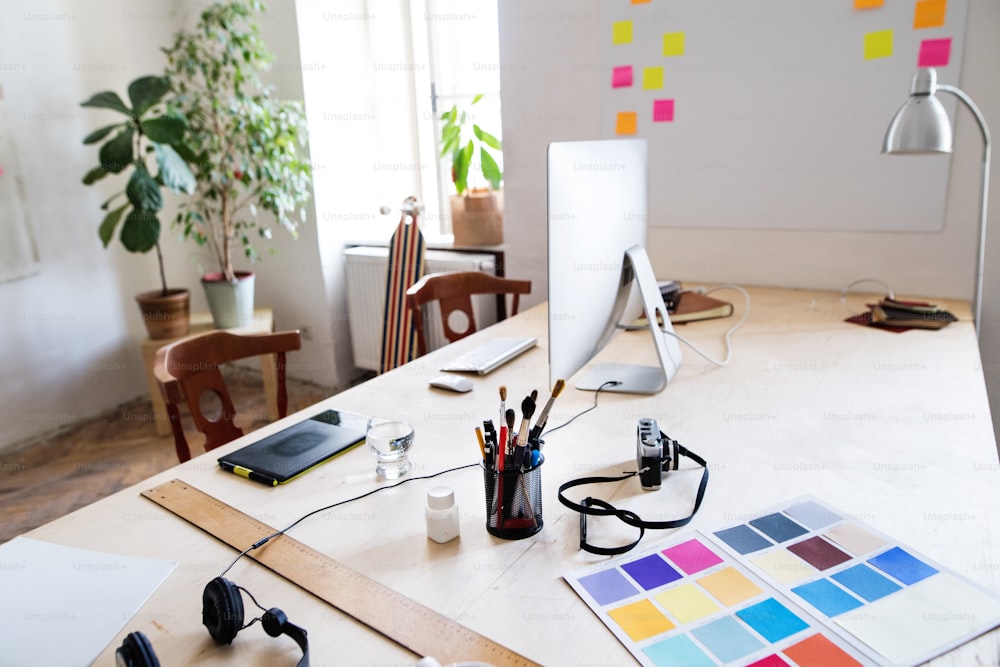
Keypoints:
(54, 476)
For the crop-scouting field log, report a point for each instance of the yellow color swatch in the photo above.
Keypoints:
(878, 44)
(868, 4)
(784, 566)
(673, 44)
(686, 603)
(729, 586)
(621, 32)
(641, 620)
(627, 122)
(929, 13)
(652, 78)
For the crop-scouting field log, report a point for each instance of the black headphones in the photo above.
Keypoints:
(222, 614)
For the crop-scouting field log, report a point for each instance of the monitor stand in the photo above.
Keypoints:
(635, 378)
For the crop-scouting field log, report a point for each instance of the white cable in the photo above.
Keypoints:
(729, 334)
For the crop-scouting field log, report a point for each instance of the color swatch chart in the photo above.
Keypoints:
(801, 585)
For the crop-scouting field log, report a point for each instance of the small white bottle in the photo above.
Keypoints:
(442, 514)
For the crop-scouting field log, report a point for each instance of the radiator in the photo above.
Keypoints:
(366, 268)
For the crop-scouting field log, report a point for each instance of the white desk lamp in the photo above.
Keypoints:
(922, 126)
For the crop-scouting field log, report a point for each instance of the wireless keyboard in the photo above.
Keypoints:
(490, 355)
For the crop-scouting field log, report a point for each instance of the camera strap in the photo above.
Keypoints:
(597, 507)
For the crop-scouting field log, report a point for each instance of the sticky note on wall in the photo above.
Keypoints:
(878, 44)
(626, 123)
(929, 13)
(868, 4)
(663, 111)
(652, 78)
(621, 32)
(934, 53)
(621, 77)
(673, 44)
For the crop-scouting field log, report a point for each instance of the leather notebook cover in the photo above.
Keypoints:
(282, 456)
(692, 306)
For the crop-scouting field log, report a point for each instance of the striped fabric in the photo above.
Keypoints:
(406, 266)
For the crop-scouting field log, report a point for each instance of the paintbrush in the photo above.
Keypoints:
(503, 399)
(543, 418)
(527, 410)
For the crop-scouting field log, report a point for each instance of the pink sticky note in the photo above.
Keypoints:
(663, 111)
(621, 77)
(934, 52)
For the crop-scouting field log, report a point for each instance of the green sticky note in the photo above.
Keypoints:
(621, 32)
(878, 44)
(673, 44)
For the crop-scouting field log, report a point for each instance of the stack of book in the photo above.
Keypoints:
(893, 313)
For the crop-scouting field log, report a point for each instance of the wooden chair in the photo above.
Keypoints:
(454, 291)
(187, 371)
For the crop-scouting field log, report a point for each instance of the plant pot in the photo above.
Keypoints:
(166, 315)
(231, 303)
(477, 218)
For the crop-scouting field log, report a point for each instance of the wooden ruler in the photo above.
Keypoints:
(407, 622)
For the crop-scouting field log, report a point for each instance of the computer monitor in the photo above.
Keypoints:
(599, 273)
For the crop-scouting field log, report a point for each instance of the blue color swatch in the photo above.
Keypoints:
(678, 651)
(812, 514)
(866, 582)
(608, 586)
(778, 527)
(827, 597)
(651, 571)
(743, 539)
(899, 564)
(772, 620)
(727, 639)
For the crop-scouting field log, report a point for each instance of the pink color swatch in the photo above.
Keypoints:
(934, 52)
(621, 77)
(663, 111)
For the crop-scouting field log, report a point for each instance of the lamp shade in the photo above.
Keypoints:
(921, 125)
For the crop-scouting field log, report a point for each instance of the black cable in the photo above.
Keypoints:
(261, 542)
(609, 383)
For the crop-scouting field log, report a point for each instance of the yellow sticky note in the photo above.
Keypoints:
(652, 77)
(929, 13)
(673, 44)
(641, 620)
(878, 44)
(686, 603)
(621, 32)
(627, 122)
(868, 4)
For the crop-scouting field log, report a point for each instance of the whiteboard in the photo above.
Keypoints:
(771, 114)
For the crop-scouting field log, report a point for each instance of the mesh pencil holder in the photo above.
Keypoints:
(514, 501)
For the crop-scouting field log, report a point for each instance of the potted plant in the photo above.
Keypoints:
(146, 130)
(476, 206)
(243, 146)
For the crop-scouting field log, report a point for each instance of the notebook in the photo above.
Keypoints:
(283, 456)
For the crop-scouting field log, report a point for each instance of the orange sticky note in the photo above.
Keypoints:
(640, 2)
(868, 4)
(627, 122)
(929, 13)
(621, 32)
(673, 44)
(652, 78)
(878, 44)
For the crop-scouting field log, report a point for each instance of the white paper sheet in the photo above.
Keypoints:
(63, 605)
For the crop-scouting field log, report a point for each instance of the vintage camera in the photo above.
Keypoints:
(654, 453)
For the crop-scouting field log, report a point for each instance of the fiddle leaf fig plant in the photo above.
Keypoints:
(242, 142)
(465, 142)
(145, 130)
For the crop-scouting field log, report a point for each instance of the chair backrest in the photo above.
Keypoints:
(454, 291)
(187, 372)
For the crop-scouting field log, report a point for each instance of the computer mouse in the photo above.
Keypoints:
(452, 383)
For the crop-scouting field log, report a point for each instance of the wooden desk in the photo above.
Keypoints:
(263, 322)
(893, 429)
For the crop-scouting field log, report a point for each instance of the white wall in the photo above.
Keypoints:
(551, 74)
(71, 334)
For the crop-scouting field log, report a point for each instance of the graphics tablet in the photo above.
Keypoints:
(283, 456)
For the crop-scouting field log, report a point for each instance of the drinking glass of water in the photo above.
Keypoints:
(390, 438)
